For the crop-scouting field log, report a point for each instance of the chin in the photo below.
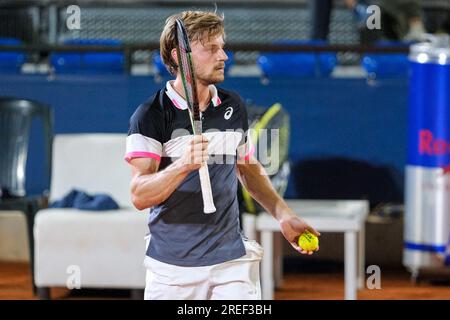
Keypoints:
(217, 79)
(212, 79)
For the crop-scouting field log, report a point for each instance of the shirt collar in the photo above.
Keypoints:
(179, 101)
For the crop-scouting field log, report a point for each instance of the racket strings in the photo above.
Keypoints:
(186, 69)
(188, 77)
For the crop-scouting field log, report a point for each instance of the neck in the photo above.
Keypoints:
(203, 94)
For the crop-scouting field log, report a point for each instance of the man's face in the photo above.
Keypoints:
(209, 59)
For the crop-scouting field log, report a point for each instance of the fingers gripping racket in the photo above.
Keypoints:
(186, 67)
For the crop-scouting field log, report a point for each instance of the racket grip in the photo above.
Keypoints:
(205, 183)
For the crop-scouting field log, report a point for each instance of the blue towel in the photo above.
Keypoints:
(83, 201)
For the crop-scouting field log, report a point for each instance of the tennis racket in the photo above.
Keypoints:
(186, 66)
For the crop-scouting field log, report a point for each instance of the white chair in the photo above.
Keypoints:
(90, 249)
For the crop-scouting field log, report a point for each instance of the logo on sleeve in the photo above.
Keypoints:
(228, 113)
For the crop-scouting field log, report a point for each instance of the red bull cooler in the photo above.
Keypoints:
(427, 188)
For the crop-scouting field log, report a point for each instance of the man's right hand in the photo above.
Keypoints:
(195, 154)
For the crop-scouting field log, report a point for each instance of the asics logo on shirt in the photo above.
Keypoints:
(228, 113)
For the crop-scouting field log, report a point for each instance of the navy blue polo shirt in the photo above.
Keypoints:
(160, 129)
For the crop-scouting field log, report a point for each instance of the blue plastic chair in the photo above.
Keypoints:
(297, 64)
(387, 65)
(162, 71)
(89, 62)
(11, 61)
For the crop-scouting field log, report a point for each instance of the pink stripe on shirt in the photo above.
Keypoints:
(141, 154)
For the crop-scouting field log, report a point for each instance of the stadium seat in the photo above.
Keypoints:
(89, 62)
(297, 64)
(387, 65)
(11, 61)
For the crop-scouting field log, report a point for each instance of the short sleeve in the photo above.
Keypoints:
(245, 149)
(144, 138)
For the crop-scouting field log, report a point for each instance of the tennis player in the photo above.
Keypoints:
(190, 254)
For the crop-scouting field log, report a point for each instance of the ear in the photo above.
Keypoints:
(174, 55)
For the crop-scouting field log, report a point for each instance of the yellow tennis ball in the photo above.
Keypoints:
(308, 241)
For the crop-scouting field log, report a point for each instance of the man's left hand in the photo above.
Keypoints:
(292, 227)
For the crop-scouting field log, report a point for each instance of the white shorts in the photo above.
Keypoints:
(236, 279)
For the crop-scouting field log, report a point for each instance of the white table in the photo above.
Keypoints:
(347, 216)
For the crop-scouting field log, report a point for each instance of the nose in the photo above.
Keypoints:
(223, 55)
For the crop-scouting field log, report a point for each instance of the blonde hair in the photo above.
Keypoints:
(196, 23)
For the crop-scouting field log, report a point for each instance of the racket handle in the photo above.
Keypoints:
(205, 183)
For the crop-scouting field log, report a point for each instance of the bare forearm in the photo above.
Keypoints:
(152, 189)
(257, 183)
(254, 179)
